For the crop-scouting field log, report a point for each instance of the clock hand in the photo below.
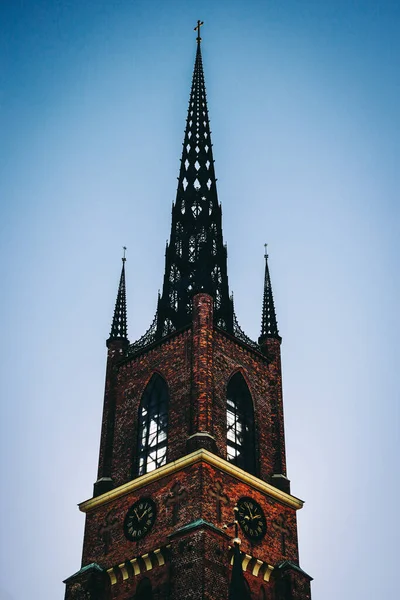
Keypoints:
(256, 517)
(146, 511)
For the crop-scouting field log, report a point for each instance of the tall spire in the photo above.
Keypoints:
(196, 258)
(119, 328)
(269, 325)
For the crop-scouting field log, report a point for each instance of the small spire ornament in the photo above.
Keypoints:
(269, 325)
(119, 329)
(197, 28)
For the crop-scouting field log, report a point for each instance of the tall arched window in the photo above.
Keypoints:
(144, 590)
(240, 425)
(153, 422)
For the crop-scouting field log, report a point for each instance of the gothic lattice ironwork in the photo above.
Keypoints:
(240, 334)
(196, 257)
(269, 325)
(147, 339)
(119, 329)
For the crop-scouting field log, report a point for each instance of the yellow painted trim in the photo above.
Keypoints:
(257, 566)
(159, 557)
(147, 562)
(247, 558)
(187, 461)
(268, 572)
(123, 570)
(112, 576)
(135, 565)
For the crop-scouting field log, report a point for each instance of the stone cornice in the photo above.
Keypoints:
(187, 461)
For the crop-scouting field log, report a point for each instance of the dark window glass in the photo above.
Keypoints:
(153, 422)
(240, 425)
(144, 590)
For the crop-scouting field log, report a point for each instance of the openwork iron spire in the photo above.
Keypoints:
(269, 325)
(119, 328)
(196, 257)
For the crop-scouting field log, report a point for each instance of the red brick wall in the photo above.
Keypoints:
(199, 502)
(197, 365)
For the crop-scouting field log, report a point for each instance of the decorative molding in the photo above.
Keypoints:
(256, 567)
(112, 575)
(147, 562)
(175, 497)
(194, 525)
(195, 457)
(216, 492)
(89, 567)
(106, 530)
(201, 434)
(137, 565)
(123, 569)
(157, 558)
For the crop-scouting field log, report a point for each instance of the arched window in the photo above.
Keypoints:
(153, 422)
(144, 590)
(240, 425)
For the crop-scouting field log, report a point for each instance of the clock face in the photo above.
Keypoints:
(251, 518)
(140, 519)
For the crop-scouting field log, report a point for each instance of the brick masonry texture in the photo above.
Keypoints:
(197, 364)
(198, 481)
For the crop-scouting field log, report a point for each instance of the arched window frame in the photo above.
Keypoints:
(153, 426)
(240, 425)
(144, 590)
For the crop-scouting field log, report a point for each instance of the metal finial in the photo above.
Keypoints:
(197, 28)
(235, 524)
(124, 257)
(265, 251)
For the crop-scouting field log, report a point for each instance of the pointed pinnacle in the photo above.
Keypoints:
(119, 328)
(269, 325)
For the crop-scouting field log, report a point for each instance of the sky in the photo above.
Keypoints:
(304, 105)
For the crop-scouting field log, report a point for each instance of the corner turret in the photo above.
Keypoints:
(119, 329)
(269, 324)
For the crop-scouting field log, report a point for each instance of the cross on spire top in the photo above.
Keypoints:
(197, 28)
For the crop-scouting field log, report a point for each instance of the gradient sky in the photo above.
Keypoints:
(304, 104)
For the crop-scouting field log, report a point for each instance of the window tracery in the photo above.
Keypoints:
(240, 425)
(153, 424)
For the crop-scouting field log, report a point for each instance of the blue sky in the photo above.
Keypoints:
(303, 100)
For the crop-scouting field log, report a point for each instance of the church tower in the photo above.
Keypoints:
(192, 500)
